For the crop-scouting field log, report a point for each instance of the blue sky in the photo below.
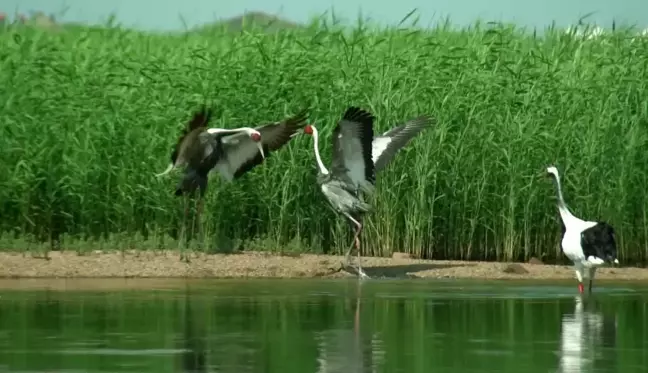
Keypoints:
(165, 14)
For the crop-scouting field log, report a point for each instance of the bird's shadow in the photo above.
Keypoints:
(401, 271)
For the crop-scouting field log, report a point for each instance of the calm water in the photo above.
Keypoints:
(291, 326)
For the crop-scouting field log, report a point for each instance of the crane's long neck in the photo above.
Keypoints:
(318, 158)
(565, 214)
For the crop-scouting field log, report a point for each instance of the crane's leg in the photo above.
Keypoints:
(199, 209)
(357, 227)
(592, 272)
(579, 276)
(183, 235)
(356, 241)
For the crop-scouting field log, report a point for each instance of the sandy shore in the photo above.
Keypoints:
(255, 264)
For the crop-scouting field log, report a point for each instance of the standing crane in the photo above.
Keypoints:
(231, 152)
(357, 156)
(588, 244)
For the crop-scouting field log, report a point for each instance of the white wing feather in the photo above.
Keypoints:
(378, 146)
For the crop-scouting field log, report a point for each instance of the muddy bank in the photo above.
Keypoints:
(255, 264)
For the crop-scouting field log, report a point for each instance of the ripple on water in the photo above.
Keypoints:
(490, 292)
(483, 328)
(120, 352)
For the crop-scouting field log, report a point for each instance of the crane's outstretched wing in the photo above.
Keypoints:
(352, 149)
(245, 152)
(277, 134)
(385, 147)
(188, 136)
(200, 158)
(199, 120)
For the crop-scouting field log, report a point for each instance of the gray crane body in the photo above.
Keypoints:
(342, 195)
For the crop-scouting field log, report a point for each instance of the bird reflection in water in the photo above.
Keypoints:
(193, 358)
(354, 350)
(588, 339)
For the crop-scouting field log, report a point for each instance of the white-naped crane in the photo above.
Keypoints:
(231, 152)
(357, 155)
(588, 244)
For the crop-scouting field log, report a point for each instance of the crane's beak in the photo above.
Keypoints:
(168, 169)
(261, 149)
(256, 137)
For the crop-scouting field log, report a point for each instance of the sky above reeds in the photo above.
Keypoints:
(168, 14)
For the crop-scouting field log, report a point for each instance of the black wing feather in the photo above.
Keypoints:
(200, 119)
(273, 137)
(366, 119)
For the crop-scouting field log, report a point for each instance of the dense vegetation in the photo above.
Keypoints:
(89, 115)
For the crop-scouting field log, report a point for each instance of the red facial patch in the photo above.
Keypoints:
(308, 130)
(255, 137)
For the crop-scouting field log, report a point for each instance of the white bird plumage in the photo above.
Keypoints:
(588, 244)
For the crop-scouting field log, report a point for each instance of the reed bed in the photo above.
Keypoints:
(90, 114)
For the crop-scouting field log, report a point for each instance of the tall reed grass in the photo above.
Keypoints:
(90, 114)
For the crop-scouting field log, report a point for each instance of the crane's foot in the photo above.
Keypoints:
(336, 270)
(356, 268)
(184, 258)
(361, 274)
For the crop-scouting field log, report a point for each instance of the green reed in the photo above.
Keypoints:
(90, 114)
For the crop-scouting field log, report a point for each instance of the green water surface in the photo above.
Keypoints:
(301, 326)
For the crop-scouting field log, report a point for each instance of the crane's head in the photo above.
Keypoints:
(254, 135)
(309, 129)
(552, 171)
